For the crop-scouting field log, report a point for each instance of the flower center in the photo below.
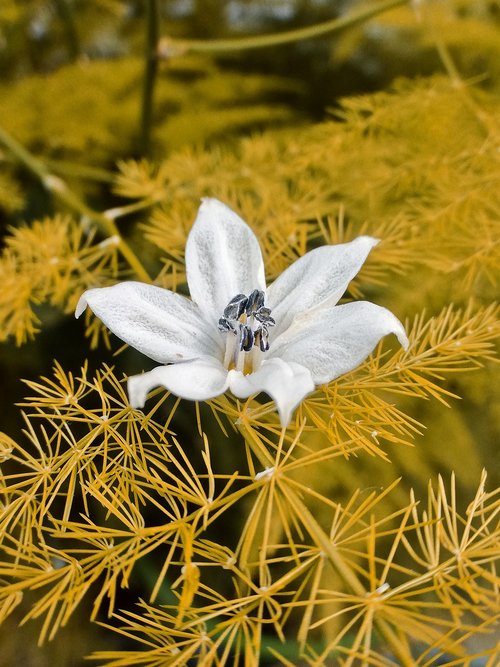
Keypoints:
(246, 321)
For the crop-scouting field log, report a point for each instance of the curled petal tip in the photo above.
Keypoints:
(136, 395)
(368, 240)
(211, 201)
(399, 331)
(403, 338)
(81, 305)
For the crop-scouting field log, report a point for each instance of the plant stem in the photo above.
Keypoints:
(58, 187)
(489, 125)
(150, 72)
(323, 540)
(174, 46)
(347, 573)
(66, 16)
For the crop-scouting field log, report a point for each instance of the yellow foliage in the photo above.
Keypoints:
(252, 534)
(10, 193)
(195, 101)
(51, 260)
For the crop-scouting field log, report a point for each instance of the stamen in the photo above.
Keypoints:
(236, 307)
(226, 325)
(246, 338)
(264, 315)
(255, 301)
(261, 336)
(248, 319)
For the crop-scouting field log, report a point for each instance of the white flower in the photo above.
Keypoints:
(234, 333)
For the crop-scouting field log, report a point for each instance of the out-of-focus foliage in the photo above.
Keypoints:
(400, 42)
(198, 98)
(10, 194)
(96, 117)
(239, 541)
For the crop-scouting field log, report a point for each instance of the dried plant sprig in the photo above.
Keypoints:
(400, 609)
(126, 483)
(47, 262)
(61, 191)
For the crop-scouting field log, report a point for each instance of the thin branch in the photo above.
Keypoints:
(170, 46)
(66, 15)
(150, 72)
(487, 123)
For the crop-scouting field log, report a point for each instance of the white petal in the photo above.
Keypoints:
(287, 383)
(223, 259)
(321, 276)
(197, 380)
(333, 341)
(165, 326)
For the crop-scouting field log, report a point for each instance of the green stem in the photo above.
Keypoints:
(174, 46)
(150, 72)
(66, 16)
(60, 190)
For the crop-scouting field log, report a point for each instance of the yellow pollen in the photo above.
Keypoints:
(247, 367)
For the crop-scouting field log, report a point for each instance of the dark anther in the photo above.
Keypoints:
(251, 306)
(255, 301)
(262, 339)
(236, 307)
(226, 325)
(247, 338)
(264, 315)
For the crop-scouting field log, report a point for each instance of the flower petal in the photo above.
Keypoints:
(321, 276)
(333, 341)
(223, 259)
(286, 382)
(197, 380)
(163, 325)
